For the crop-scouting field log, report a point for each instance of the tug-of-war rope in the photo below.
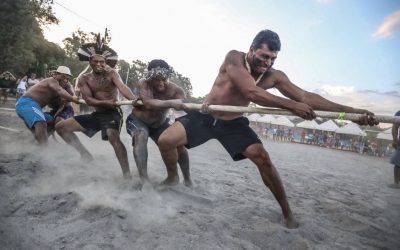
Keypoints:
(241, 109)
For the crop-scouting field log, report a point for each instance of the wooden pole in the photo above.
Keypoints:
(241, 109)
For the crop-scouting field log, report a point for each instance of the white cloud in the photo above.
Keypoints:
(336, 90)
(389, 25)
(377, 102)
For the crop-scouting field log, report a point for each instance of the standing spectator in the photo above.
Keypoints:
(396, 157)
(325, 139)
(7, 82)
(290, 134)
(303, 136)
(337, 142)
(21, 86)
(32, 81)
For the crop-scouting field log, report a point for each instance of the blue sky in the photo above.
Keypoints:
(346, 50)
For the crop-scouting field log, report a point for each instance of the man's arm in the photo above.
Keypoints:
(87, 95)
(125, 91)
(242, 79)
(395, 131)
(55, 86)
(69, 89)
(287, 88)
(12, 77)
(176, 101)
(317, 102)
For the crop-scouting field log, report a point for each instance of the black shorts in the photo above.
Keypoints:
(235, 135)
(101, 120)
(66, 113)
(134, 125)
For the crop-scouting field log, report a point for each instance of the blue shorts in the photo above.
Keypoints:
(31, 112)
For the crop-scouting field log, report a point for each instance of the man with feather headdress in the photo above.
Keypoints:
(99, 89)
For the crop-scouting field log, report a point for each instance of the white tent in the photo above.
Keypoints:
(253, 117)
(283, 121)
(385, 135)
(266, 119)
(307, 124)
(329, 125)
(351, 129)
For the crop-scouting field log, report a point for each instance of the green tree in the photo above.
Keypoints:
(184, 83)
(43, 12)
(131, 73)
(21, 37)
(79, 37)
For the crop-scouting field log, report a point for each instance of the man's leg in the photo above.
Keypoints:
(120, 151)
(169, 141)
(140, 153)
(257, 154)
(40, 132)
(183, 160)
(65, 129)
(397, 175)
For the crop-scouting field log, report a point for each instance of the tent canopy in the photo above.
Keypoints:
(253, 117)
(351, 129)
(266, 119)
(307, 124)
(385, 135)
(283, 121)
(329, 125)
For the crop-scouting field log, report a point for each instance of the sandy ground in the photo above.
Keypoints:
(50, 200)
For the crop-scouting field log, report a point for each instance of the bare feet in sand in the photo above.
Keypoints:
(127, 176)
(170, 181)
(188, 183)
(290, 223)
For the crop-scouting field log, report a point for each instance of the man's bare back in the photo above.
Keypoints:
(47, 91)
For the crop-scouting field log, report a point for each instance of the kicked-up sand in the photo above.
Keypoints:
(51, 200)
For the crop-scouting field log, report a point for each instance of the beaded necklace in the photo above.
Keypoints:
(249, 69)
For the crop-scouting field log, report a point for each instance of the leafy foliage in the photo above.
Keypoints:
(79, 37)
(24, 49)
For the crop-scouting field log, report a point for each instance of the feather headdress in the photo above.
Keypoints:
(87, 50)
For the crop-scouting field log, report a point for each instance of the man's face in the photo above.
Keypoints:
(98, 63)
(159, 83)
(262, 59)
(33, 76)
(63, 78)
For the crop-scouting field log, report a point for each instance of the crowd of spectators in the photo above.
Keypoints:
(16, 86)
(358, 144)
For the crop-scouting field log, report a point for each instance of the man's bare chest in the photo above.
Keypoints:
(163, 96)
(100, 84)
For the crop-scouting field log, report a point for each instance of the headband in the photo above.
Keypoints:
(158, 72)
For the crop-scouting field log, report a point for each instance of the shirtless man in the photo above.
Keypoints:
(243, 78)
(29, 106)
(99, 89)
(150, 120)
(60, 110)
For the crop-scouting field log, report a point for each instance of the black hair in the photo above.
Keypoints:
(268, 37)
(158, 63)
